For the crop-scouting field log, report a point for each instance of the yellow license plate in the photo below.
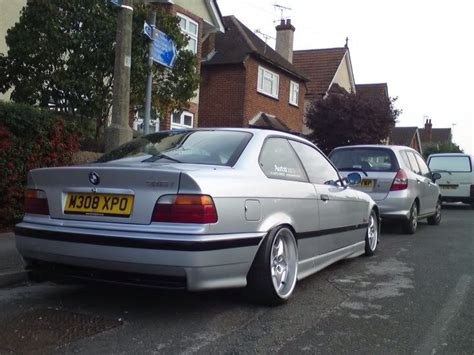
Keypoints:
(99, 204)
(367, 183)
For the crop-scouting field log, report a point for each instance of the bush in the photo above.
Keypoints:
(29, 138)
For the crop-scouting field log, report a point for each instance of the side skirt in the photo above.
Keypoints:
(310, 266)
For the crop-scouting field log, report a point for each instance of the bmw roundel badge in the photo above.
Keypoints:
(94, 178)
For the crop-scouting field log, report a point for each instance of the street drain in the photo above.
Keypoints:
(44, 328)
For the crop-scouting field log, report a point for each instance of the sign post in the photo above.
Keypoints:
(162, 50)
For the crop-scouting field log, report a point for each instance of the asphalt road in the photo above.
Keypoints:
(415, 296)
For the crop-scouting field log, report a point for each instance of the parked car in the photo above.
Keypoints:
(398, 180)
(198, 209)
(457, 176)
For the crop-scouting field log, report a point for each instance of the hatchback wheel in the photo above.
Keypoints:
(411, 224)
(435, 219)
(372, 236)
(272, 277)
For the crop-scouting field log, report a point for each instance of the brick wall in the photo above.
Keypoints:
(229, 97)
(221, 98)
(256, 102)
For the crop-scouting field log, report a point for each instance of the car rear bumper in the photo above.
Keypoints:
(197, 262)
(396, 205)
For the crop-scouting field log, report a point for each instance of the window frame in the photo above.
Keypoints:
(418, 157)
(260, 80)
(418, 172)
(294, 84)
(181, 124)
(318, 151)
(187, 32)
(300, 163)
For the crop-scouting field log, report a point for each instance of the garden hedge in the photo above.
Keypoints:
(29, 138)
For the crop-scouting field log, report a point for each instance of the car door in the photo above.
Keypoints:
(418, 182)
(341, 213)
(431, 189)
(287, 195)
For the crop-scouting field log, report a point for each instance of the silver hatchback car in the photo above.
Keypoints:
(397, 178)
(198, 209)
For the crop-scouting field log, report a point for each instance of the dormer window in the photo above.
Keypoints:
(268, 82)
(191, 29)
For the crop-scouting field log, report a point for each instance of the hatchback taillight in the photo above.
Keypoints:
(400, 182)
(185, 209)
(36, 202)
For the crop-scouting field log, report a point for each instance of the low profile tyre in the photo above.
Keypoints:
(272, 277)
(372, 235)
(435, 219)
(411, 224)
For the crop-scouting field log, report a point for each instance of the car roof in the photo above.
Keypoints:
(384, 146)
(261, 132)
(449, 155)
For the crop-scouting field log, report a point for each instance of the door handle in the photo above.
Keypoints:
(324, 197)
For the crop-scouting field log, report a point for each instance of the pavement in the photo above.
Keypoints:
(415, 296)
(11, 263)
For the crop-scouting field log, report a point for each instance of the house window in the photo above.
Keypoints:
(267, 82)
(294, 92)
(190, 29)
(182, 120)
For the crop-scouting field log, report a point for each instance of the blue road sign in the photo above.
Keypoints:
(148, 30)
(163, 49)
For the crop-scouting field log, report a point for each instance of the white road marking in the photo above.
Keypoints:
(436, 336)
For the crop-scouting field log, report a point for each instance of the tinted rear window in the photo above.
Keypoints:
(367, 159)
(453, 164)
(195, 147)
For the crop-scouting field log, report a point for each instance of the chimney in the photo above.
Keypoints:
(428, 131)
(284, 39)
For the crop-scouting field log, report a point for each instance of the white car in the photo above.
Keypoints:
(457, 176)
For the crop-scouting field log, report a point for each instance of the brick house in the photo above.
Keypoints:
(245, 83)
(408, 136)
(198, 20)
(434, 136)
(329, 71)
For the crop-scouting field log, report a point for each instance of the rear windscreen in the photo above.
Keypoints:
(366, 159)
(452, 164)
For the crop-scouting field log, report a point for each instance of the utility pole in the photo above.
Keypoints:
(149, 80)
(119, 131)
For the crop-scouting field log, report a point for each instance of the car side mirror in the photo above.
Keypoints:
(354, 179)
(435, 176)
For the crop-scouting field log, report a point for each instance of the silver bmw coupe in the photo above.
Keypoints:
(198, 209)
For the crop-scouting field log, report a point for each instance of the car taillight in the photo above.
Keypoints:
(185, 209)
(400, 182)
(36, 202)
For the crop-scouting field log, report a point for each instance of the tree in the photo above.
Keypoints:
(346, 119)
(61, 53)
(445, 147)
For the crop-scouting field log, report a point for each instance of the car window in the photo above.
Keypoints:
(451, 163)
(279, 161)
(319, 170)
(423, 167)
(367, 159)
(414, 165)
(197, 147)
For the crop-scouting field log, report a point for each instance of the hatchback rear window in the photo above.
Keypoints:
(452, 164)
(366, 159)
(195, 147)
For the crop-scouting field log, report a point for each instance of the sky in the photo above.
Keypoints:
(423, 50)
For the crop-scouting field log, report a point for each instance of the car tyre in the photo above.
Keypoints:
(372, 235)
(411, 224)
(272, 277)
(435, 219)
